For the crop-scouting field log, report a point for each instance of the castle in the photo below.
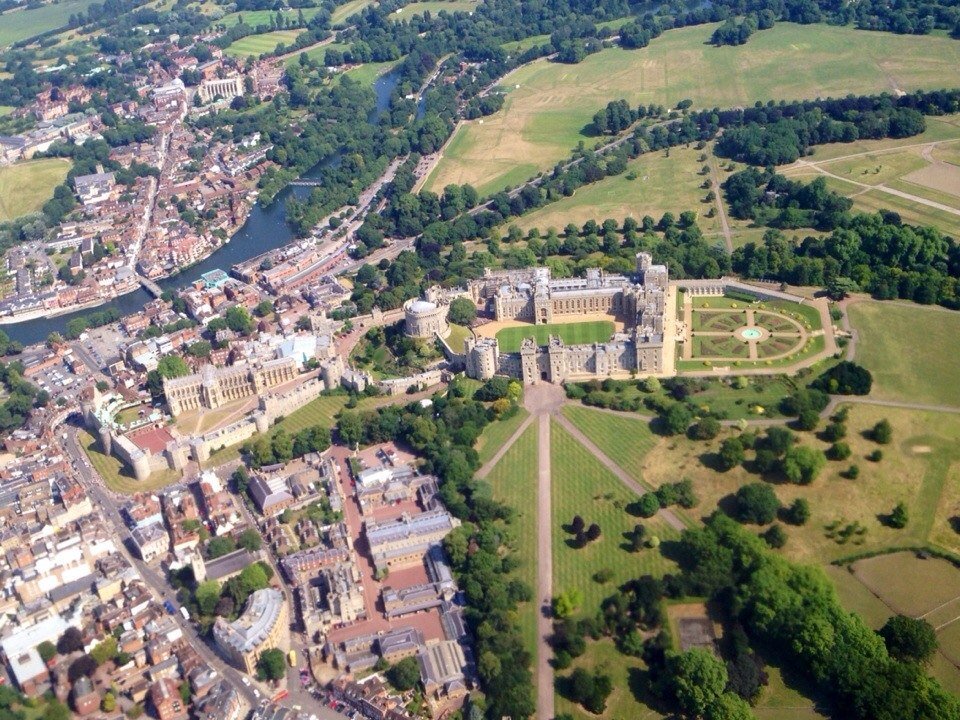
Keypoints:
(533, 296)
(212, 387)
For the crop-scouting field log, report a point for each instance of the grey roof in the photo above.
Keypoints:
(228, 564)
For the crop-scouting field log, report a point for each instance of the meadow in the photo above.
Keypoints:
(514, 482)
(344, 11)
(20, 25)
(433, 7)
(318, 53)
(256, 45)
(653, 184)
(571, 333)
(581, 485)
(256, 18)
(624, 440)
(923, 166)
(26, 186)
(550, 105)
(911, 350)
(919, 467)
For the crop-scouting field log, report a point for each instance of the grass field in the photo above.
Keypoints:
(514, 481)
(496, 434)
(910, 165)
(456, 338)
(660, 184)
(26, 186)
(549, 105)
(582, 486)
(116, 475)
(319, 54)
(22, 24)
(919, 468)
(256, 45)
(433, 7)
(624, 440)
(256, 18)
(347, 9)
(368, 73)
(911, 351)
(571, 333)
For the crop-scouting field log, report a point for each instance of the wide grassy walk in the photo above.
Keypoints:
(514, 482)
(581, 485)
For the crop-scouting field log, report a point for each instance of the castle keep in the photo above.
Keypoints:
(533, 296)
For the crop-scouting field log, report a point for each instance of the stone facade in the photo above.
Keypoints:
(213, 387)
(262, 626)
(532, 296)
(425, 319)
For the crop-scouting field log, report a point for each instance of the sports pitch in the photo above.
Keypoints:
(550, 105)
(571, 333)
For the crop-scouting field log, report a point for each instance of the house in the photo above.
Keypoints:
(95, 188)
(151, 541)
(166, 700)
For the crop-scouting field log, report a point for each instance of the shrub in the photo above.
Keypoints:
(798, 513)
(838, 451)
(851, 473)
(845, 378)
(775, 536)
(882, 432)
(898, 517)
(802, 464)
(706, 429)
(731, 453)
(875, 456)
(756, 503)
(908, 639)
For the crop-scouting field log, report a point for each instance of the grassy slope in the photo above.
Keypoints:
(549, 104)
(572, 334)
(514, 481)
(496, 434)
(25, 187)
(433, 7)
(116, 475)
(347, 9)
(255, 18)
(624, 440)
(911, 351)
(23, 24)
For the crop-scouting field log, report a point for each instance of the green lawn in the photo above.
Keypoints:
(659, 184)
(256, 45)
(580, 485)
(458, 334)
(256, 18)
(368, 73)
(26, 186)
(19, 25)
(549, 105)
(319, 53)
(571, 333)
(117, 476)
(497, 433)
(514, 481)
(344, 11)
(624, 440)
(911, 351)
(433, 7)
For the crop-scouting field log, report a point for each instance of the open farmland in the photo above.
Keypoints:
(26, 186)
(256, 45)
(896, 343)
(549, 105)
(22, 24)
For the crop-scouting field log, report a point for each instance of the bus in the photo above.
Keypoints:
(292, 658)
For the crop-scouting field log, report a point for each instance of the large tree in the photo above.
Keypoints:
(271, 665)
(696, 680)
(909, 639)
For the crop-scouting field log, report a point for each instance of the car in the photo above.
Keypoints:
(245, 680)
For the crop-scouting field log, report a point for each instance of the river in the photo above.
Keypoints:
(266, 228)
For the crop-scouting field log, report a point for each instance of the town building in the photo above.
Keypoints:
(404, 541)
(262, 626)
(425, 319)
(225, 88)
(95, 188)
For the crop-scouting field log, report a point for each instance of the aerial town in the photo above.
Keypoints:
(479, 360)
